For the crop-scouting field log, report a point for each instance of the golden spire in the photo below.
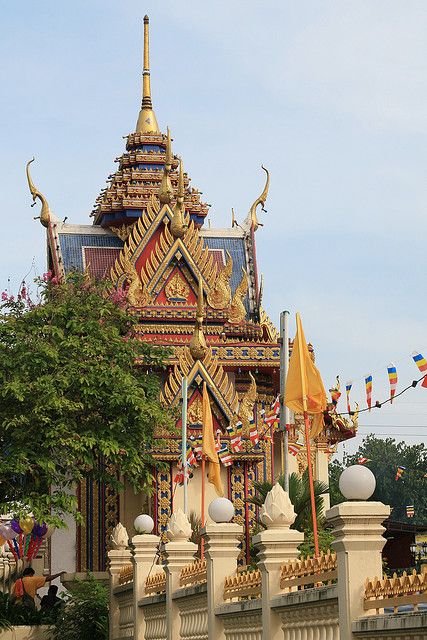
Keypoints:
(45, 211)
(177, 223)
(259, 201)
(198, 346)
(165, 189)
(147, 122)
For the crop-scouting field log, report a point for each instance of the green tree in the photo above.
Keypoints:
(85, 613)
(72, 402)
(385, 455)
(299, 495)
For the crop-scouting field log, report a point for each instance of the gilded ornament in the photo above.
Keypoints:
(45, 211)
(246, 409)
(123, 231)
(136, 294)
(198, 346)
(219, 297)
(177, 290)
(165, 189)
(237, 308)
(195, 412)
(178, 225)
(259, 201)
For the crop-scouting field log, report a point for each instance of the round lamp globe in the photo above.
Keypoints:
(357, 482)
(143, 523)
(221, 510)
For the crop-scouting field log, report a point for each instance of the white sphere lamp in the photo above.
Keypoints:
(357, 482)
(221, 510)
(143, 523)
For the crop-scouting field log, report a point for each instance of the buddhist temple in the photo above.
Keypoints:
(197, 290)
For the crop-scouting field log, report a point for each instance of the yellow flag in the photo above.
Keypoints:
(208, 444)
(304, 389)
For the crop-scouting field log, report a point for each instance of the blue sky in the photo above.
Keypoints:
(329, 95)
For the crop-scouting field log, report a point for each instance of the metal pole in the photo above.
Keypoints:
(184, 442)
(284, 411)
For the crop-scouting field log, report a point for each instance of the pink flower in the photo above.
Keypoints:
(4, 296)
(55, 280)
(47, 276)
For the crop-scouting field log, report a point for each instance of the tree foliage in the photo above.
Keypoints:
(85, 614)
(385, 456)
(72, 402)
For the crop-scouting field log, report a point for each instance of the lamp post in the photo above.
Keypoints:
(419, 554)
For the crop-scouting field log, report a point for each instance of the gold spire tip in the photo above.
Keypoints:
(147, 122)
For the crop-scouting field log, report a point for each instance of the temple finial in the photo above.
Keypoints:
(259, 201)
(45, 211)
(147, 122)
(165, 189)
(178, 225)
(198, 346)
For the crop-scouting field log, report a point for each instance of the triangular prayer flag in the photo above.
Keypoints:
(421, 363)
(368, 386)
(347, 392)
(392, 377)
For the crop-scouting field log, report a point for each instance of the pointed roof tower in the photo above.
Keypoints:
(147, 121)
(148, 169)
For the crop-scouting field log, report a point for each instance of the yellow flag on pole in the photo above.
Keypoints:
(208, 444)
(304, 390)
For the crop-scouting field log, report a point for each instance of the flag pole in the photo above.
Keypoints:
(184, 442)
(308, 446)
(284, 411)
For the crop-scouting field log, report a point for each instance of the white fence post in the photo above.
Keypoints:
(357, 527)
(145, 548)
(179, 553)
(118, 558)
(277, 545)
(222, 551)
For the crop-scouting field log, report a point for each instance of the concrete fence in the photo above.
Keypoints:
(338, 596)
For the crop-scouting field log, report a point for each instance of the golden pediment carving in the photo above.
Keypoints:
(177, 290)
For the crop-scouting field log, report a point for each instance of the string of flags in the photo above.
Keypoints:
(410, 511)
(393, 378)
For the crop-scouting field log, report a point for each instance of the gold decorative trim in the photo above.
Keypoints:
(266, 323)
(315, 571)
(126, 574)
(237, 308)
(194, 573)
(242, 584)
(395, 591)
(156, 583)
(220, 296)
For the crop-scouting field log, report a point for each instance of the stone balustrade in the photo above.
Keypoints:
(287, 598)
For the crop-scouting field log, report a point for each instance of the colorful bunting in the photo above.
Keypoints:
(253, 432)
(399, 473)
(295, 447)
(392, 377)
(336, 392)
(410, 511)
(347, 392)
(363, 460)
(235, 437)
(225, 456)
(368, 386)
(421, 363)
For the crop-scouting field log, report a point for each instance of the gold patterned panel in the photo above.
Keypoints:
(177, 290)
(220, 296)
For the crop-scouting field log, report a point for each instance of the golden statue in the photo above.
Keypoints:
(165, 189)
(246, 409)
(219, 297)
(45, 211)
(198, 346)
(259, 201)
(237, 308)
(177, 226)
(136, 295)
